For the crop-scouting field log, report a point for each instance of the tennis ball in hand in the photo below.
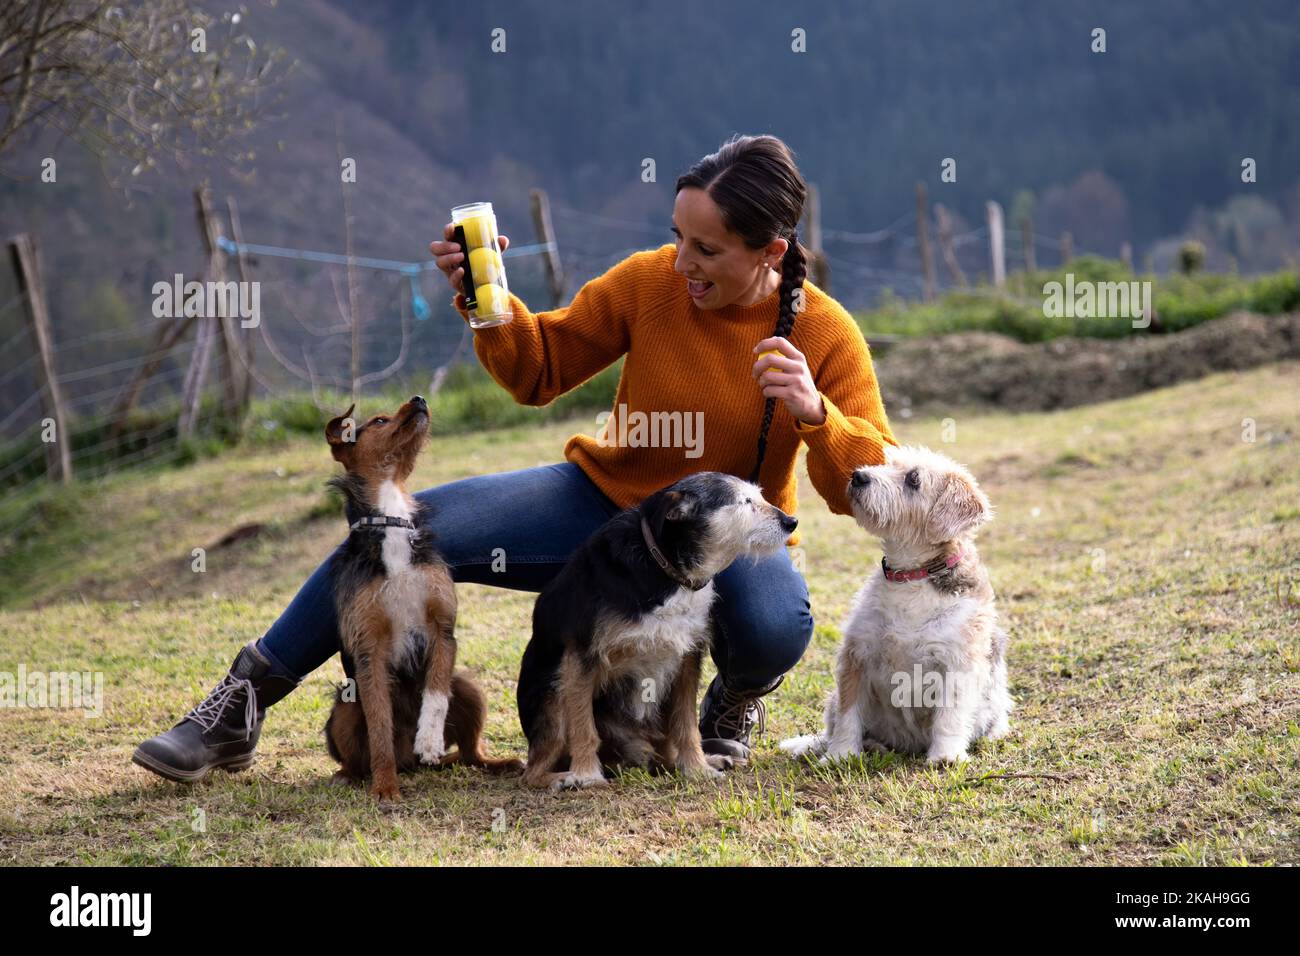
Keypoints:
(768, 352)
(478, 231)
(486, 265)
(492, 300)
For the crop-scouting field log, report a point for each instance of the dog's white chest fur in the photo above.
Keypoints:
(650, 649)
(907, 622)
(404, 591)
(405, 597)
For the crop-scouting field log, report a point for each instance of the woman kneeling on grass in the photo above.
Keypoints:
(691, 318)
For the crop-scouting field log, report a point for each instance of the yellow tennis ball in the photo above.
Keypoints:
(486, 265)
(768, 352)
(492, 299)
(478, 231)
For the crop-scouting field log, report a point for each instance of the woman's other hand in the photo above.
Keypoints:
(785, 375)
(447, 255)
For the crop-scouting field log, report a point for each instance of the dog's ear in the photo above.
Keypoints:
(960, 507)
(341, 431)
(680, 505)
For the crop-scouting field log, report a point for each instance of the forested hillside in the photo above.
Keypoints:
(1138, 143)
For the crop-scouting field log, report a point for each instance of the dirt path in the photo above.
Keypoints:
(983, 368)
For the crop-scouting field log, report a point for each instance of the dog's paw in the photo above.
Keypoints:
(946, 753)
(799, 746)
(703, 772)
(837, 752)
(578, 781)
(724, 762)
(430, 744)
(431, 728)
(388, 795)
(1000, 729)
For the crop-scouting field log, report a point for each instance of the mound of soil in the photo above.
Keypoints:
(986, 369)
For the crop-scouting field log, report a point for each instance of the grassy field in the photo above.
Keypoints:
(1143, 554)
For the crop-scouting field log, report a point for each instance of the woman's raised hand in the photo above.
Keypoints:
(784, 374)
(448, 256)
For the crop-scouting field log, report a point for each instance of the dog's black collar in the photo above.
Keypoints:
(663, 561)
(381, 521)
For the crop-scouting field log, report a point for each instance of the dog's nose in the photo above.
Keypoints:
(788, 522)
(419, 401)
(861, 479)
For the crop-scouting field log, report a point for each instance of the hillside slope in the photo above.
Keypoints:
(587, 90)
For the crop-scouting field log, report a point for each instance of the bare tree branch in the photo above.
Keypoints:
(131, 81)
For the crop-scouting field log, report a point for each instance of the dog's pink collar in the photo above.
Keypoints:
(939, 565)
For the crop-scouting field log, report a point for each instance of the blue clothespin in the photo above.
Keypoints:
(418, 305)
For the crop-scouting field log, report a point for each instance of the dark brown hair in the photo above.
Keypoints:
(758, 188)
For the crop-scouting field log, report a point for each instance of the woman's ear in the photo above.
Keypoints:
(775, 251)
(961, 507)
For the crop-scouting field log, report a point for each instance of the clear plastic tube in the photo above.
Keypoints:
(486, 293)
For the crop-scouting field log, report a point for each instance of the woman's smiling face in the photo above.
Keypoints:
(720, 269)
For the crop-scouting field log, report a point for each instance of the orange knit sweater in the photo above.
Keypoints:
(691, 366)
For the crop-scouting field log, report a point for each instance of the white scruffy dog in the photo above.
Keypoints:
(922, 668)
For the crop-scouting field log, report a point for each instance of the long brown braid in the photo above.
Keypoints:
(758, 188)
(794, 269)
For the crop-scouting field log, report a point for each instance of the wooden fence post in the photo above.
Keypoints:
(27, 266)
(946, 249)
(170, 331)
(1067, 247)
(997, 250)
(541, 204)
(232, 369)
(923, 241)
(245, 335)
(819, 265)
(196, 375)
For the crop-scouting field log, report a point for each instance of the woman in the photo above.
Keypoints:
(691, 319)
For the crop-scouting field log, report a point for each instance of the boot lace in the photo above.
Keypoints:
(210, 711)
(739, 711)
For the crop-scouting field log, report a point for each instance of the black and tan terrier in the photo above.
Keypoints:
(396, 608)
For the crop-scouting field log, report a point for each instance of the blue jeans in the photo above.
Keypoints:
(528, 522)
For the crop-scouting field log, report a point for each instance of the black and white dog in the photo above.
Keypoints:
(612, 671)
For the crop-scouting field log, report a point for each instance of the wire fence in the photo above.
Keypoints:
(406, 329)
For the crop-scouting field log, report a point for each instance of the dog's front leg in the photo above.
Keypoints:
(684, 722)
(377, 705)
(844, 737)
(577, 692)
(430, 734)
(950, 730)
